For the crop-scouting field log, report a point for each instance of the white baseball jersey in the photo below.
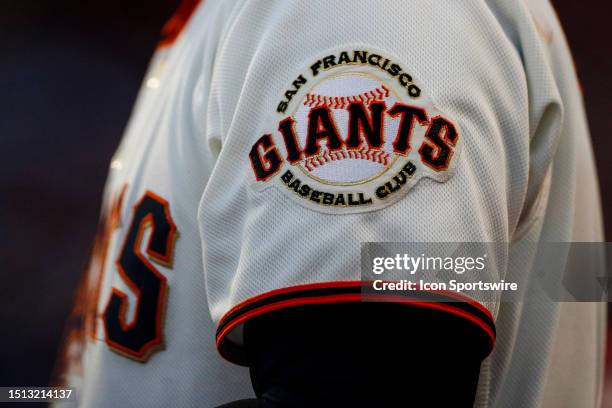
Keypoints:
(271, 138)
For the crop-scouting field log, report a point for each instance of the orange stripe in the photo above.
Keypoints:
(343, 284)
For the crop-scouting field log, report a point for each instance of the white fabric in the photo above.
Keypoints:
(500, 70)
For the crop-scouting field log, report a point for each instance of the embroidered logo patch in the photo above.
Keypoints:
(355, 132)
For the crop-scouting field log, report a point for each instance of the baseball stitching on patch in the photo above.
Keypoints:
(373, 155)
(340, 102)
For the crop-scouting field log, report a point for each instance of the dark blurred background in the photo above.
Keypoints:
(69, 74)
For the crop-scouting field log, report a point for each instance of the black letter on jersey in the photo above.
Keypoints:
(360, 123)
(267, 164)
(144, 334)
(321, 126)
(436, 150)
(286, 127)
(401, 144)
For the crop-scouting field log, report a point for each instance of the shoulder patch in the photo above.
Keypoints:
(354, 132)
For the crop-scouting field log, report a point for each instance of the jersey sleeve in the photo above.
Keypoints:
(345, 122)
